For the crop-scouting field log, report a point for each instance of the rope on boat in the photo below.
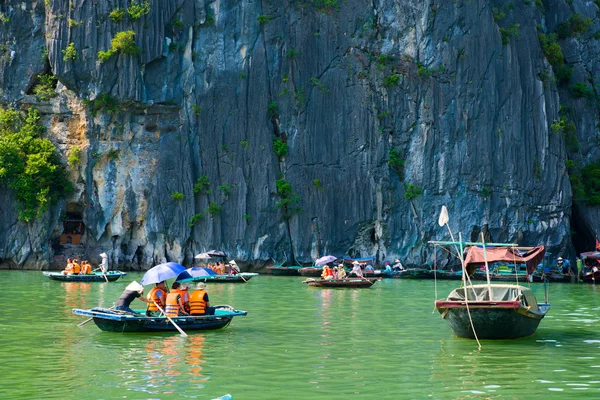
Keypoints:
(464, 269)
(434, 277)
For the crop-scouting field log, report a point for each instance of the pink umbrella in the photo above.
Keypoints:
(325, 259)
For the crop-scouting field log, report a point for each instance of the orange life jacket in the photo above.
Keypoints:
(197, 303)
(327, 272)
(172, 309)
(76, 269)
(86, 269)
(185, 298)
(153, 295)
(69, 268)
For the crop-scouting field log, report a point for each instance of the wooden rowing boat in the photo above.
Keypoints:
(341, 283)
(122, 321)
(111, 276)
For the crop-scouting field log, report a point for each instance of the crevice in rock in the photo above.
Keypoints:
(582, 236)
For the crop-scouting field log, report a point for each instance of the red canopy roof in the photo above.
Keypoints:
(531, 258)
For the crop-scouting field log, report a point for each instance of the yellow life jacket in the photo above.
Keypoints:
(172, 309)
(197, 303)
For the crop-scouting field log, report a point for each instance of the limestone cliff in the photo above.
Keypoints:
(295, 129)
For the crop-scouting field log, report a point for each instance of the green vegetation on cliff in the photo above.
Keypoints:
(29, 164)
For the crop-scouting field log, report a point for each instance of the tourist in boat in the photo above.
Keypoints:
(335, 273)
(158, 294)
(86, 268)
(397, 267)
(68, 268)
(566, 267)
(387, 267)
(182, 289)
(327, 272)
(369, 268)
(234, 269)
(133, 291)
(199, 302)
(76, 270)
(578, 264)
(175, 305)
(357, 270)
(341, 272)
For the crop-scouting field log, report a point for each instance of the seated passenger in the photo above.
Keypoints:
(158, 294)
(341, 272)
(369, 268)
(175, 304)
(327, 272)
(76, 267)
(199, 302)
(68, 268)
(86, 268)
(397, 267)
(182, 289)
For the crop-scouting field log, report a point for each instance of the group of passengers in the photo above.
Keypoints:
(172, 303)
(334, 273)
(74, 267)
(220, 267)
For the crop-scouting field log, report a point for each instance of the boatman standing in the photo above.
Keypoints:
(104, 265)
(357, 270)
(234, 269)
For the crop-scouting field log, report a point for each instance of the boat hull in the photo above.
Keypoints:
(95, 277)
(237, 278)
(342, 283)
(491, 320)
(114, 321)
(283, 271)
(311, 271)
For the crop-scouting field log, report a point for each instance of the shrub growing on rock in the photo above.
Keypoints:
(30, 164)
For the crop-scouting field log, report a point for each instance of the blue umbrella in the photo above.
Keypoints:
(198, 272)
(165, 271)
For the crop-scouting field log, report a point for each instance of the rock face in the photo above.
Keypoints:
(266, 130)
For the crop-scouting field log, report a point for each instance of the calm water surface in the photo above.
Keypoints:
(297, 342)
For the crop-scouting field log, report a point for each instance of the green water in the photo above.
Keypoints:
(297, 342)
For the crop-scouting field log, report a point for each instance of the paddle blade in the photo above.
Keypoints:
(443, 220)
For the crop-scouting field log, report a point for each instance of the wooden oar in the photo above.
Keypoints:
(169, 318)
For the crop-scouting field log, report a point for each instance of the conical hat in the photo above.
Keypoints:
(135, 287)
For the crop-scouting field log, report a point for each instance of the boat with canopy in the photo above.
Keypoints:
(491, 311)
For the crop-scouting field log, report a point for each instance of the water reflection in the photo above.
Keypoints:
(194, 358)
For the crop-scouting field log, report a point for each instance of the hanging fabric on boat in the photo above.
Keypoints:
(475, 257)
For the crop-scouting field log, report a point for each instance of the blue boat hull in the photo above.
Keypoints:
(115, 321)
(111, 276)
